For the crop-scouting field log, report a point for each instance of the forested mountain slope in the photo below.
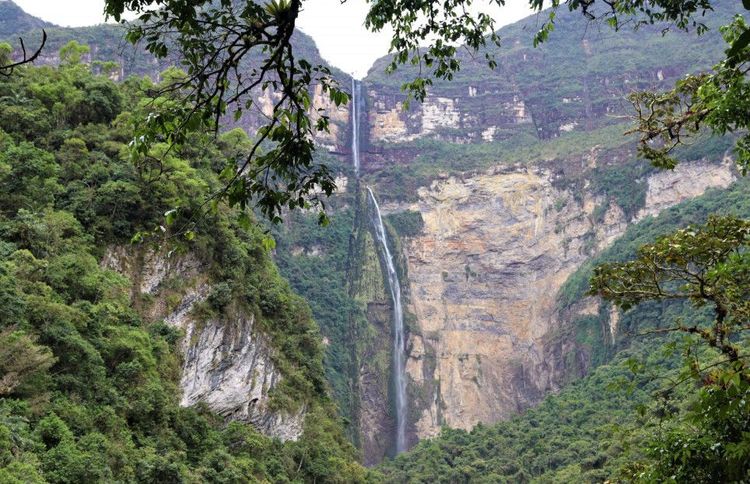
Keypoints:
(13, 20)
(113, 320)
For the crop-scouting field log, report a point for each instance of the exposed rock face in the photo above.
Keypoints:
(228, 364)
(484, 274)
(484, 277)
(476, 114)
(686, 181)
(338, 117)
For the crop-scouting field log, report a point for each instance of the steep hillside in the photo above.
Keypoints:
(135, 350)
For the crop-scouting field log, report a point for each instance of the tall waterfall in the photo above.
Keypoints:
(356, 102)
(399, 378)
(399, 369)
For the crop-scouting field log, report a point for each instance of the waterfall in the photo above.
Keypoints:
(399, 370)
(356, 97)
(399, 378)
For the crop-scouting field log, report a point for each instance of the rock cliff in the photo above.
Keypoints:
(228, 363)
(484, 275)
(556, 184)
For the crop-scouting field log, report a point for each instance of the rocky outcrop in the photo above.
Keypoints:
(227, 362)
(686, 181)
(481, 112)
(228, 365)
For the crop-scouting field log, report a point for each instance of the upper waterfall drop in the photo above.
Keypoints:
(399, 348)
(356, 100)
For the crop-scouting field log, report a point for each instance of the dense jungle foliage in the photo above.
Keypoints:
(316, 260)
(90, 385)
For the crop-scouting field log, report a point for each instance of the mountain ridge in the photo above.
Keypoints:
(14, 20)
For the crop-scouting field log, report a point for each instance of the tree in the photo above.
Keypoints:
(718, 101)
(72, 53)
(20, 360)
(707, 265)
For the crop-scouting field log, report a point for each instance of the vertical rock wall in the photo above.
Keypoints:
(227, 363)
(484, 276)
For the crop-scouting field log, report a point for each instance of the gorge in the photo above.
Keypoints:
(457, 299)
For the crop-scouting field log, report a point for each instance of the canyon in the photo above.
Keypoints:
(514, 177)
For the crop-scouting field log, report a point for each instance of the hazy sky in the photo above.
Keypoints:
(337, 28)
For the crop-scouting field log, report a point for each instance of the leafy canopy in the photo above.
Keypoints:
(707, 265)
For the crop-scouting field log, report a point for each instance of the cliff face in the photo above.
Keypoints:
(227, 362)
(483, 279)
(687, 181)
(479, 112)
(577, 81)
(557, 184)
(487, 338)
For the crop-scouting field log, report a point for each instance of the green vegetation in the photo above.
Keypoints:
(580, 435)
(407, 223)
(434, 157)
(14, 20)
(316, 260)
(708, 266)
(733, 201)
(89, 384)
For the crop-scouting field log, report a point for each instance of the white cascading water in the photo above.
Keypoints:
(399, 379)
(356, 96)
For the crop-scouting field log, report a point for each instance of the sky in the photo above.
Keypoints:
(338, 28)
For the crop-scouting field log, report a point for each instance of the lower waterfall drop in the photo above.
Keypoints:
(399, 370)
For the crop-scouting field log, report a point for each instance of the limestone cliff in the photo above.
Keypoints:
(556, 184)
(484, 276)
(462, 117)
(228, 363)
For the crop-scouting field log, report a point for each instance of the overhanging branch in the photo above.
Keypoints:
(7, 70)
